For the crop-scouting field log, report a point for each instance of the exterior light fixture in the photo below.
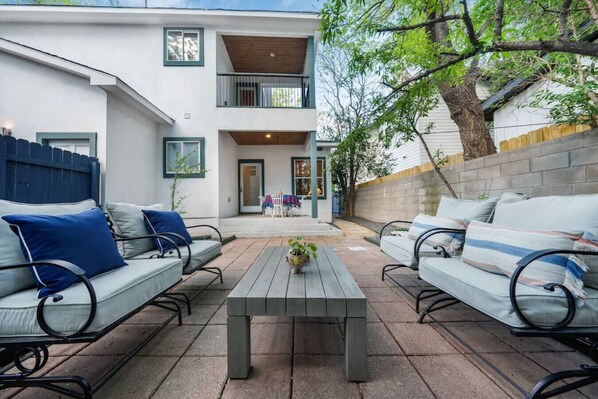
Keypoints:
(272, 55)
(6, 131)
(268, 136)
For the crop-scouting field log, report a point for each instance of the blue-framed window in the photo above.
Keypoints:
(183, 47)
(302, 176)
(191, 150)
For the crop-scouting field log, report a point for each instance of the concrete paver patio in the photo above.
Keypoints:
(302, 357)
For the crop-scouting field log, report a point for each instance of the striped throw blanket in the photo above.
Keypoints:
(497, 249)
(589, 242)
(451, 242)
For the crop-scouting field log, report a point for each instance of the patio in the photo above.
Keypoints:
(301, 359)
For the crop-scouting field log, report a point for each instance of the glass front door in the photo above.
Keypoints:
(250, 178)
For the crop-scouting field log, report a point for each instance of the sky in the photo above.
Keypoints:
(278, 5)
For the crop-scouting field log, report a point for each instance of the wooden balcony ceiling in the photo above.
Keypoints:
(252, 54)
(276, 138)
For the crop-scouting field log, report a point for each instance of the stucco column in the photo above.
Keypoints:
(311, 65)
(313, 148)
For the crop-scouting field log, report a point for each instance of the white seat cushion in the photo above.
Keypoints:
(202, 251)
(402, 250)
(118, 292)
(489, 293)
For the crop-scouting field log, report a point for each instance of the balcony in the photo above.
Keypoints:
(260, 90)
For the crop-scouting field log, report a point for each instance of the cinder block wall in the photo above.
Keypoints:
(564, 166)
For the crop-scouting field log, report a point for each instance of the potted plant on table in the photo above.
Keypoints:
(300, 253)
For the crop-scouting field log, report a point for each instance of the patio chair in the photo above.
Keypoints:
(278, 209)
(508, 280)
(402, 247)
(70, 306)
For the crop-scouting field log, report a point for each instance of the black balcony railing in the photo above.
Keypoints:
(263, 90)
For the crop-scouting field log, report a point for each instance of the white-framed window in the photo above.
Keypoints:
(302, 177)
(183, 47)
(186, 153)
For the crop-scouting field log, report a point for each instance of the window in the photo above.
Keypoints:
(183, 46)
(302, 177)
(80, 143)
(184, 153)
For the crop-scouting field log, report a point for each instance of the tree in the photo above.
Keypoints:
(182, 169)
(400, 124)
(443, 43)
(348, 119)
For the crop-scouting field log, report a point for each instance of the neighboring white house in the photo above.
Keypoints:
(444, 136)
(236, 89)
(511, 110)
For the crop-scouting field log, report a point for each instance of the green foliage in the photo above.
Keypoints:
(417, 47)
(299, 246)
(348, 116)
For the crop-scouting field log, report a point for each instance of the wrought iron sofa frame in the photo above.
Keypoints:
(424, 294)
(583, 376)
(18, 350)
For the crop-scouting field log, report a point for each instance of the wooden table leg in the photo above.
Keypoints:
(238, 333)
(356, 342)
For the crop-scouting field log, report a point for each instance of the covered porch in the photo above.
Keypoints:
(258, 164)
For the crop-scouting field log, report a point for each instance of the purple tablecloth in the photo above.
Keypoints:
(287, 200)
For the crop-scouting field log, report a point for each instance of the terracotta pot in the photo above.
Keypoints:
(297, 268)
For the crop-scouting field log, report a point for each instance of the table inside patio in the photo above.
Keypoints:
(325, 289)
(287, 200)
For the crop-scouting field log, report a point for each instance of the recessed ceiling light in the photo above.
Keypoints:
(272, 55)
(268, 135)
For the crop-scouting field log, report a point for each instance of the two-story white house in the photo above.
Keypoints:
(233, 90)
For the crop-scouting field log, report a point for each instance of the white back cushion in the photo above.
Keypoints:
(466, 209)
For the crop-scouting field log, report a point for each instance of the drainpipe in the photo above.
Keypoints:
(313, 148)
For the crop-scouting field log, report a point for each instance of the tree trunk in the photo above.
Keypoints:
(464, 104)
(466, 111)
(350, 201)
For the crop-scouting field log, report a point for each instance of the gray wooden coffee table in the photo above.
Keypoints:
(325, 289)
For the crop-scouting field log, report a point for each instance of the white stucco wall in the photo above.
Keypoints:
(129, 44)
(228, 170)
(132, 144)
(517, 117)
(278, 171)
(37, 98)
(134, 53)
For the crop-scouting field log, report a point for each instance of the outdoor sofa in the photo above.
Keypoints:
(128, 220)
(401, 247)
(509, 272)
(84, 312)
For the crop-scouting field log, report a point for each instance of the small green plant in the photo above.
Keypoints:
(181, 170)
(301, 247)
(483, 196)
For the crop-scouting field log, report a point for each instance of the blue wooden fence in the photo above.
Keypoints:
(32, 173)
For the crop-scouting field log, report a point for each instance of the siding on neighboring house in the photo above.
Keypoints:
(444, 136)
(518, 117)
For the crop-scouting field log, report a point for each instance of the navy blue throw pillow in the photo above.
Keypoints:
(158, 222)
(82, 239)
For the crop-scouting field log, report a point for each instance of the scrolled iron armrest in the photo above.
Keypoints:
(163, 236)
(429, 233)
(176, 246)
(71, 268)
(526, 261)
(207, 225)
(389, 223)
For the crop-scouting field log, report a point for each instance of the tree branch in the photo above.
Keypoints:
(469, 25)
(581, 48)
(422, 25)
(564, 15)
(498, 20)
(592, 9)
